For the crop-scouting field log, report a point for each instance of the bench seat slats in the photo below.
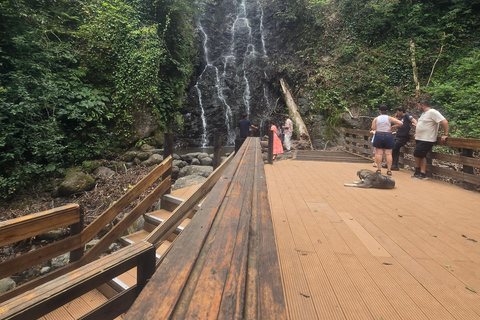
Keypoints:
(216, 268)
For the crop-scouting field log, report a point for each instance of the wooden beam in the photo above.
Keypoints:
(32, 258)
(126, 222)
(181, 212)
(109, 214)
(32, 225)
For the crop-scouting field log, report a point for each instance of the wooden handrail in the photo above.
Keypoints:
(25, 227)
(48, 297)
(466, 143)
(358, 142)
(79, 240)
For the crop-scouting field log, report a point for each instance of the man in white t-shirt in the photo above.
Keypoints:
(426, 136)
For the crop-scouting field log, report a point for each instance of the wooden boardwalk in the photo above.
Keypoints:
(412, 252)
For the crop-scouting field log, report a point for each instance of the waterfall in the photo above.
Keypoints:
(233, 81)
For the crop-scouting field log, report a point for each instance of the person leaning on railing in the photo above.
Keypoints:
(426, 135)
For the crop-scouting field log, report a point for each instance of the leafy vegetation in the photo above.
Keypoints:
(73, 73)
(358, 54)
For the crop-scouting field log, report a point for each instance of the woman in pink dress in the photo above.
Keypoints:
(277, 143)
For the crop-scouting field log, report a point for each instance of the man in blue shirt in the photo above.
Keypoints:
(245, 125)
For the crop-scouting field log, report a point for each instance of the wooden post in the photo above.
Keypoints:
(468, 169)
(168, 144)
(270, 146)
(169, 141)
(217, 149)
(145, 268)
(75, 229)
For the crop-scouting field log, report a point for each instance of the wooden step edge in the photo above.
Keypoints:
(157, 221)
(173, 202)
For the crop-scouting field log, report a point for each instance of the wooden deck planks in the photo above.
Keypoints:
(379, 306)
(411, 284)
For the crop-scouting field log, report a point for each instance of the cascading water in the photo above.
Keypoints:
(233, 80)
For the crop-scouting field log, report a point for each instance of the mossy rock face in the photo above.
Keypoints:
(90, 166)
(76, 182)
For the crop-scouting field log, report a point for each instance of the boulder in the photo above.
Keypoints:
(103, 172)
(202, 155)
(188, 181)
(195, 162)
(207, 161)
(60, 261)
(189, 156)
(179, 163)
(175, 171)
(203, 171)
(143, 155)
(75, 182)
(153, 160)
(146, 147)
(129, 156)
(6, 284)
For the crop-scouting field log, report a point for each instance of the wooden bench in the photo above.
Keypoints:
(51, 295)
(224, 265)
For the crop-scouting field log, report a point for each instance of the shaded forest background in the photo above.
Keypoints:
(73, 74)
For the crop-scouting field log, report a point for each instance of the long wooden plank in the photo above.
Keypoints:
(264, 296)
(219, 253)
(176, 267)
(32, 225)
(232, 301)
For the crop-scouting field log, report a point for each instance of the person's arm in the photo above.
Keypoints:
(444, 123)
(397, 123)
(374, 124)
(253, 126)
(414, 122)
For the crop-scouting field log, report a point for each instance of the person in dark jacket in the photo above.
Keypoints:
(402, 136)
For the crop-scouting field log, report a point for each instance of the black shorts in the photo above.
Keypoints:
(422, 148)
(383, 141)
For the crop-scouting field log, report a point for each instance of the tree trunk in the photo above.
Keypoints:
(414, 67)
(295, 115)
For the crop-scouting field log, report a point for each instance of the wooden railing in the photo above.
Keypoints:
(359, 142)
(224, 265)
(25, 227)
(49, 296)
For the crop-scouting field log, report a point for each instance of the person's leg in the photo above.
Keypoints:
(423, 165)
(388, 155)
(378, 157)
(399, 143)
(288, 140)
